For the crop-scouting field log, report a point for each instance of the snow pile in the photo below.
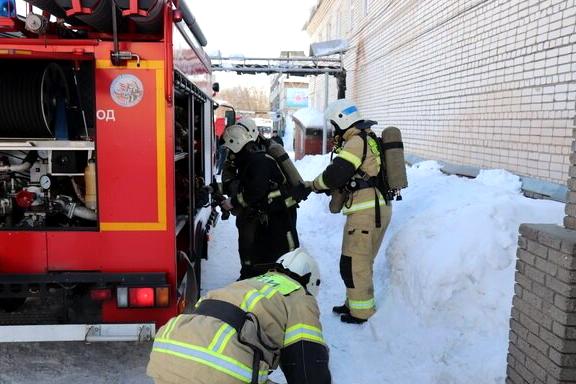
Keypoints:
(289, 135)
(443, 278)
(500, 178)
(309, 117)
(453, 256)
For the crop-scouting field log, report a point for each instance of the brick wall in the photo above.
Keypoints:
(489, 83)
(542, 346)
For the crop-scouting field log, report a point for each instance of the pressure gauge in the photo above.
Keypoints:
(45, 182)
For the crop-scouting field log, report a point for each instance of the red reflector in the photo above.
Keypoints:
(141, 297)
(101, 294)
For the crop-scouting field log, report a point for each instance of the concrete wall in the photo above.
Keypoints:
(488, 83)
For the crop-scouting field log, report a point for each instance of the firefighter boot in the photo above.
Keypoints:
(348, 318)
(341, 309)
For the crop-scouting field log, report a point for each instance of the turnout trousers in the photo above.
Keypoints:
(360, 244)
(248, 227)
(262, 243)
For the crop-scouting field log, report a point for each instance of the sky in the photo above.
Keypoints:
(252, 28)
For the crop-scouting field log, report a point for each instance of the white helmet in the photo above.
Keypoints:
(302, 264)
(236, 137)
(342, 114)
(250, 125)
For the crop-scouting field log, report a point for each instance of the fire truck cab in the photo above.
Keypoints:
(106, 148)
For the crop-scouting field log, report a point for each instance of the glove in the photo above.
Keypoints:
(310, 184)
(301, 192)
(226, 205)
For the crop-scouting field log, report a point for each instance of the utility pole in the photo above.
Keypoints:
(325, 126)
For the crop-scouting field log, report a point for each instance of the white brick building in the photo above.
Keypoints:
(486, 83)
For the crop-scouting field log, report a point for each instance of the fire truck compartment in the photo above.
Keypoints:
(47, 145)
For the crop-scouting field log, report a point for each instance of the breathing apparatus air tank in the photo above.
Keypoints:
(286, 165)
(394, 158)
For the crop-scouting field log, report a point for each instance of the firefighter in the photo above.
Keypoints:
(262, 199)
(237, 334)
(274, 149)
(276, 138)
(248, 224)
(352, 178)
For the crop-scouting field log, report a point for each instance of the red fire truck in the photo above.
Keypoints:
(106, 146)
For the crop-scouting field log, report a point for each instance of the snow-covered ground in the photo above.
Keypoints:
(444, 277)
(444, 282)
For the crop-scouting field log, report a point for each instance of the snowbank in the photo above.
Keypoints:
(443, 278)
(309, 117)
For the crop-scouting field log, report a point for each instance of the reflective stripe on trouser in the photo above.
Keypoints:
(204, 356)
(360, 244)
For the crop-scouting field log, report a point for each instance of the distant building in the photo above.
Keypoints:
(490, 84)
(287, 94)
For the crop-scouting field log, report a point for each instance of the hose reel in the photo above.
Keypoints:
(30, 96)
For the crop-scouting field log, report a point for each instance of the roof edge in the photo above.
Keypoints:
(313, 11)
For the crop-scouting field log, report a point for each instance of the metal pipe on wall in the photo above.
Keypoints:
(325, 126)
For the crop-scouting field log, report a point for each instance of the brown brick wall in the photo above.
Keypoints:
(542, 346)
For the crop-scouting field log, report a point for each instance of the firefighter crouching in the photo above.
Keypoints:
(237, 334)
(352, 178)
(263, 196)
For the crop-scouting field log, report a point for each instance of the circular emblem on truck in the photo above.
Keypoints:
(126, 90)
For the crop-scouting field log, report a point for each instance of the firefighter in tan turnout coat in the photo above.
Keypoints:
(237, 334)
(351, 179)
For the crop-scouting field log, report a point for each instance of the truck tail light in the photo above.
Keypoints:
(101, 294)
(122, 297)
(142, 297)
(162, 297)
